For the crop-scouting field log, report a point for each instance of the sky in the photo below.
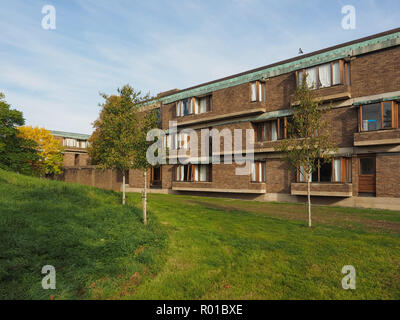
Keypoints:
(55, 76)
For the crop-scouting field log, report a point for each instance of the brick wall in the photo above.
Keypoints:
(388, 175)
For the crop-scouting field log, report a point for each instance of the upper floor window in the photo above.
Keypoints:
(194, 105)
(377, 116)
(257, 91)
(325, 75)
(70, 142)
(272, 130)
(83, 144)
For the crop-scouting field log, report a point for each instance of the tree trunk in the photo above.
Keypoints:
(144, 197)
(309, 201)
(123, 188)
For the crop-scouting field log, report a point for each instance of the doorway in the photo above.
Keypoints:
(367, 174)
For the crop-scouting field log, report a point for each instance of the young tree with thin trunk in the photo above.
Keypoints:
(147, 120)
(111, 146)
(308, 138)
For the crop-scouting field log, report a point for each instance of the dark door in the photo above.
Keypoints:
(367, 174)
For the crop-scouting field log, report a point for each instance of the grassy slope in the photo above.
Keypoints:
(216, 248)
(231, 249)
(98, 248)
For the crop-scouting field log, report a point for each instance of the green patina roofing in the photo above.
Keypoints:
(379, 43)
(274, 114)
(72, 135)
(358, 103)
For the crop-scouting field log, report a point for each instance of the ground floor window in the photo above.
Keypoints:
(336, 170)
(193, 172)
(155, 176)
(258, 171)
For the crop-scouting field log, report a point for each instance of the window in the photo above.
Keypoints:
(205, 104)
(325, 75)
(367, 166)
(257, 91)
(272, 130)
(76, 160)
(258, 171)
(70, 142)
(378, 116)
(83, 144)
(193, 172)
(193, 105)
(337, 170)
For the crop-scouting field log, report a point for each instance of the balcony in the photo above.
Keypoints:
(330, 94)
(323, 189)
(378, 137)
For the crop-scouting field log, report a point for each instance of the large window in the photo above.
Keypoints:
(194, 105)
(193, 172)
(257, 91)
(325, 75)
(382, 115)
(337, 170)
(272, 130)
(258, 172)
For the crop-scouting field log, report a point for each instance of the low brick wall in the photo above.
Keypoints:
(323, 189)
(92, 176)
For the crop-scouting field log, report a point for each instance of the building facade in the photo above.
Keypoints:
(75, 148)
(359, 79)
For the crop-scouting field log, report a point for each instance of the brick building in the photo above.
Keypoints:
(75, 148)
(360, 79)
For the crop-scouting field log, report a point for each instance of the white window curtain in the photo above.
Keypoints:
(253, 171)
(253, 91)
(196, 105)
(338, 172)
(302, 174)
(325, 75)
(203, 172)
(260, 177)
(178, 108)
(203, 105)
(196, 173)
(335, 73)
(182, 173)
(259, 92)
(312, 77)
(190, 106)
(178, 178)
(300, 77)
(274, 134)
(83, 144)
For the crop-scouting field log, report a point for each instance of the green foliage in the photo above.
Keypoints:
(120, 131)
(308, 135)
(16, 153)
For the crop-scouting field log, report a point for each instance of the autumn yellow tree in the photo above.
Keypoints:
(50, 151)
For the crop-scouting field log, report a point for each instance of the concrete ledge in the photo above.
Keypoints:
(376, 142)
(149, 190)
(323, 189)
(219, 190)
(323, 193)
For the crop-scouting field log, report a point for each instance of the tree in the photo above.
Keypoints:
(16, 153)
(147, 120)
(50, 151)
(112, 145)
(308, 137)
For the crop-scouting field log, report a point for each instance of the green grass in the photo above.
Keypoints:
(99, 248)
(193, 247)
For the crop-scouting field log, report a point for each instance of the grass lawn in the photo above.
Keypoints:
(193, 247)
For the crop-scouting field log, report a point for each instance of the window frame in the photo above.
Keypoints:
(257, 164)
(345, 171)
(260, 91)
(395, 116)
(344, 78)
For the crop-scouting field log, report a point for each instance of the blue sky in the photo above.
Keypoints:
(55, 76)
